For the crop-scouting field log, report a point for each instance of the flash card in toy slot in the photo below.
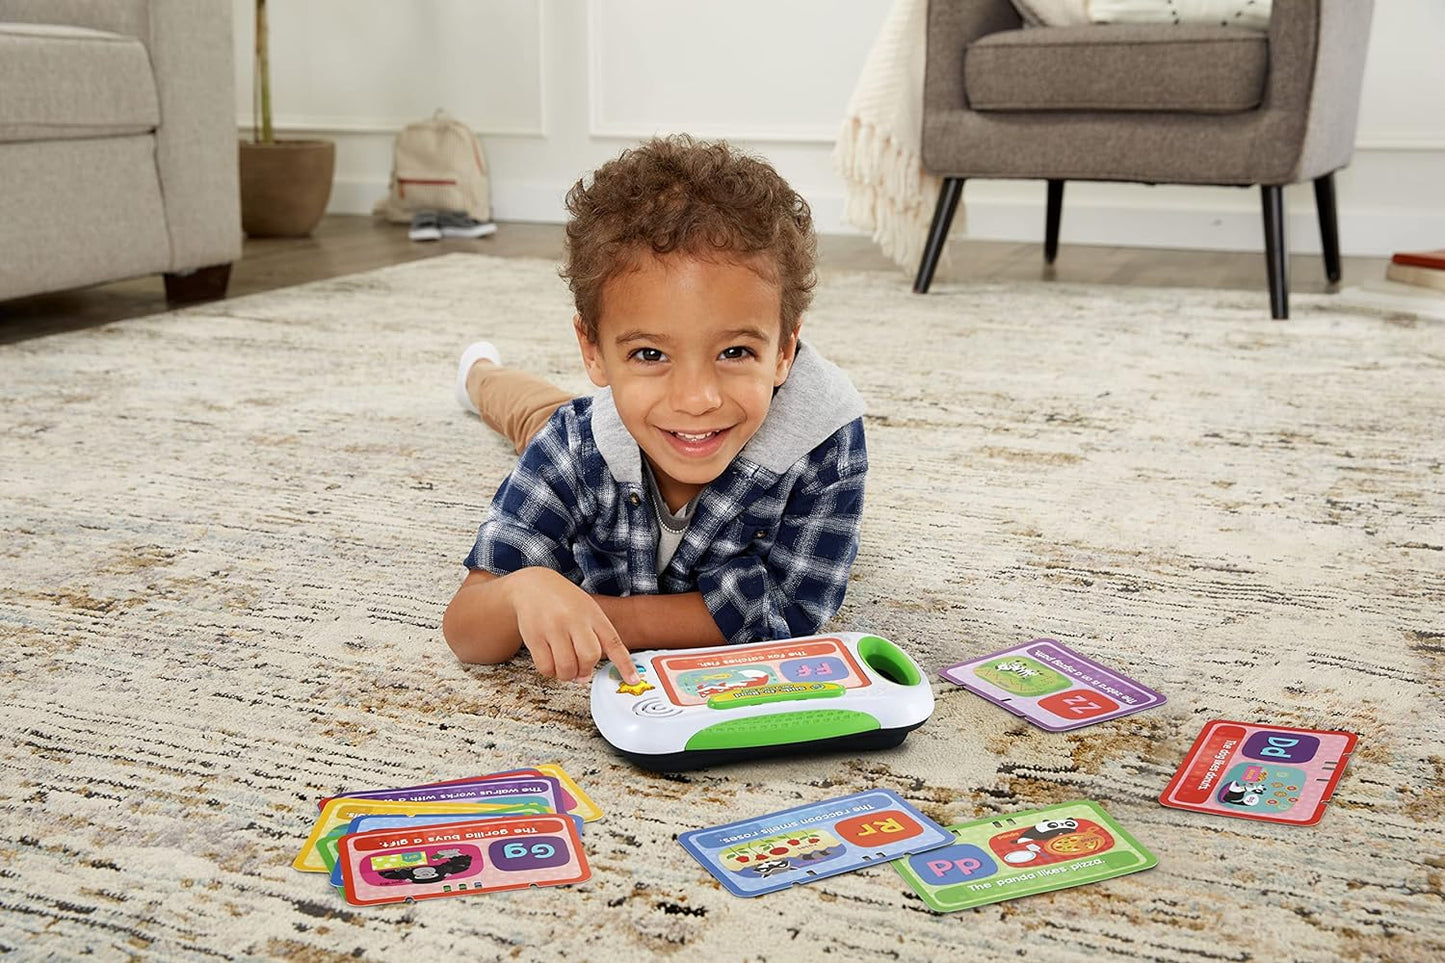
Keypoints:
(340, 811)
(460, 859)
(1274, 773)
(762, 855)
(1052, 686)
(846, 692)
(992, 860)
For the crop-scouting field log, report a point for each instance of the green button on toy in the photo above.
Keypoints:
(778, 692)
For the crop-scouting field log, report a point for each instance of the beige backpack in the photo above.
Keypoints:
(437, 166)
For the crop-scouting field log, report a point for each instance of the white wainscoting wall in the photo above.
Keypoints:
(556, 87)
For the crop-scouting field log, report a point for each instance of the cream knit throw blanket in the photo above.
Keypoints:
(879, 150)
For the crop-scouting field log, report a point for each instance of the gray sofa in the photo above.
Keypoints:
(117, 144)
(1154, 104)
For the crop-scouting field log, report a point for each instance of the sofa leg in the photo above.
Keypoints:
(1276, 255)
(948, 196)
(1051, 221)
(1329, 225)
(200, 284)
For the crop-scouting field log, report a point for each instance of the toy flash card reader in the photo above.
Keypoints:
(701, 707)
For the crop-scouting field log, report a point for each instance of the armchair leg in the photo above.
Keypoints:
(1329, 225)
(948, 196)
(1276, 256)
(202, 284)
(1051, 221)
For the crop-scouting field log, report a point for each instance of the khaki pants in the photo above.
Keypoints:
(513, 403)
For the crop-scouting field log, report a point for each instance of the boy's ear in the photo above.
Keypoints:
(591, 354)
(787, 352)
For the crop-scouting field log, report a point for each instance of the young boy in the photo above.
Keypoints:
(710, 493)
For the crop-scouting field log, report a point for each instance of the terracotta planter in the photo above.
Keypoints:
(285, 186)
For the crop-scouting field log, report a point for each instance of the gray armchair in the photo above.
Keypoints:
(1153, 104)
(117, 145)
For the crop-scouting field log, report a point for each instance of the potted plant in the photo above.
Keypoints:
(285, 184)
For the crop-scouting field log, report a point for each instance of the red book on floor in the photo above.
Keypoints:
(1424, 269)
(1425, 259)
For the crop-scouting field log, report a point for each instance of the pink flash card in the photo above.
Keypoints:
(1273, 773)
(461, 859)
(1052, 686)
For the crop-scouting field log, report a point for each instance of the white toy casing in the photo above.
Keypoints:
(848, 691)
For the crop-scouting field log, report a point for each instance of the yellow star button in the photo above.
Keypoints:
(642, 686)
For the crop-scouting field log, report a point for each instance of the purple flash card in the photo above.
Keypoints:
(1052, 686)
(545, 788)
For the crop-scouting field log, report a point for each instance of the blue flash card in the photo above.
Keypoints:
(768, 853)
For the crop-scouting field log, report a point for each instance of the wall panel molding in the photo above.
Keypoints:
(602, 128)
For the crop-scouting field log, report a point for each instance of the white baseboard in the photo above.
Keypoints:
(1233, 224)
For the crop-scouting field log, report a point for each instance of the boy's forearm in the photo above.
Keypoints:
(680, 621)
(480, 623)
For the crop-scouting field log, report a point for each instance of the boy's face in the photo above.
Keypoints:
(691, 350)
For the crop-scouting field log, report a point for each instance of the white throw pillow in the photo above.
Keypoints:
(1250, 14)
(1053, 13)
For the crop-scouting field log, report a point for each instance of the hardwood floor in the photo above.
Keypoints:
(346, 244)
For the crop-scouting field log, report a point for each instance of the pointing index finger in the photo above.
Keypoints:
(614, 649)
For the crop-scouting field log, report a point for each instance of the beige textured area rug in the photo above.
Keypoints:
(229, 534)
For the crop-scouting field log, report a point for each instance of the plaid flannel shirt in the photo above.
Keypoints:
(771, 540)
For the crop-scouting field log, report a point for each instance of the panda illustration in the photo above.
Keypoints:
(1242, 793)
(1041, 831)
(453, 862)
(1048, 829)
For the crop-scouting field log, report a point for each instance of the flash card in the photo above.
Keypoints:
(459, 859)
(992, 860)
(331, 844)
(1052, 686)
(510, 789)
(1273, 773)
(762, 855)
(340, 811)
(370, 793)
(573, 801)
(328, 845)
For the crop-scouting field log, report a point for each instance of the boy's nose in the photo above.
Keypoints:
(696, 392)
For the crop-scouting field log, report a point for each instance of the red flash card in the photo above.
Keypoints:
(461, 859)
(1273, 773)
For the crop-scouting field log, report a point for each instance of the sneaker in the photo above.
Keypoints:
(425, 226)
(481, 350)
(462, 224)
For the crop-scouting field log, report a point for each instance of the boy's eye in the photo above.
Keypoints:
(736, 352)
(648, 355)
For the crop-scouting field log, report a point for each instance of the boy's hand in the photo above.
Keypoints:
(564, 629)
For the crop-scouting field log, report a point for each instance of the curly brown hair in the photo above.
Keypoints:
(704, 199)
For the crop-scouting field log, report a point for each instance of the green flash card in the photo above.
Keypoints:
(1039, 851)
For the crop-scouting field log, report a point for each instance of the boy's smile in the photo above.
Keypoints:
(691, 349)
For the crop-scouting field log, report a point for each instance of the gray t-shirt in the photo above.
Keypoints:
(671, 527)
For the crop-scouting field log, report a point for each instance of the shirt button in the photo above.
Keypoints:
(761, 533)
(635, 498)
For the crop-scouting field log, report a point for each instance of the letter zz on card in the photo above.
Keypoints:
(459, 859)
(1052, 686)
(1274, 773)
